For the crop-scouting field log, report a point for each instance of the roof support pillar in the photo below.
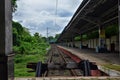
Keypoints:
(6, 58)
(102, 46)
(101, 37)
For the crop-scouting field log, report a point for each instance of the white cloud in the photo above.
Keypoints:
(37, 15)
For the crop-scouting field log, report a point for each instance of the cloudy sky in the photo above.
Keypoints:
(38, 15)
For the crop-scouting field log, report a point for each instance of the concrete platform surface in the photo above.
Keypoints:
(91, 55)
(106, 62)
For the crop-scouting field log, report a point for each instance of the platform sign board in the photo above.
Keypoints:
(101, 38)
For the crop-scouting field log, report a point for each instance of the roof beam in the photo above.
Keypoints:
(78, 30)
(76, 16)
(84, 11)
(109, 11)
(109, 20)
(91, 20)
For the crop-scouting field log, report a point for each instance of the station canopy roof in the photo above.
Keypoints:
(89, 16)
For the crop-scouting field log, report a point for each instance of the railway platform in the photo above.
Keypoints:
(106, 62)
(91, 55)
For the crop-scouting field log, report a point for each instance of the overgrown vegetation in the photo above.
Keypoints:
(52, 39)
(77, 38)
(93, 34)
(27, 48)
(111, 30)
(112, 66)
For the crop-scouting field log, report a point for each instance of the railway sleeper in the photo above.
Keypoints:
(56, 66)
(72, 65)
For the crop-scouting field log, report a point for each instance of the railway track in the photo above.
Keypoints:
(62, 63)
(57, 63)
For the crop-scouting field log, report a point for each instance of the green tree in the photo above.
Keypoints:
(57, 36)
(17, 33)
(14, 5)
(50, 37)
(111, 30)
(26, 36)
(44, 39)
(37, 37)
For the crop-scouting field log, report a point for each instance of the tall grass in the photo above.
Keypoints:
(21, 62)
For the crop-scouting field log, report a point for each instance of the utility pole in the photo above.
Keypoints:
(47, 35)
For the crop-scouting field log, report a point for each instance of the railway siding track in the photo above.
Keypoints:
(62, 63)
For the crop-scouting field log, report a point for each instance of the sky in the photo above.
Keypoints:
(38, 15)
